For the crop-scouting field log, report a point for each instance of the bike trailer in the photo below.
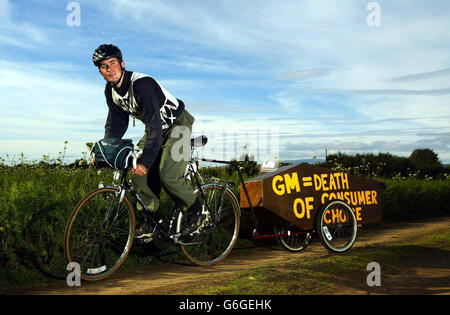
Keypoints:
(296, 192)
(112, 152)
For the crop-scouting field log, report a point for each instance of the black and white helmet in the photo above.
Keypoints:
(104, 52)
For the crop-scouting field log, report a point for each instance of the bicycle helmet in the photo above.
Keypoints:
(104, 52)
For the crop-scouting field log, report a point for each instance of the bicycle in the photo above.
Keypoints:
(100, 230)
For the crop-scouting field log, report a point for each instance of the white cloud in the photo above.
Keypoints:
(45, 105)
(23, 34)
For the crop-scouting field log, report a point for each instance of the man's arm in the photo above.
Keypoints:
(117, 121)
(149, 98)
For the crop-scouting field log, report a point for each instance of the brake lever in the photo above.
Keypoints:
(136, 155)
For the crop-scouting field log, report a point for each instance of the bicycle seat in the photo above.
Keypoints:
(199, 141)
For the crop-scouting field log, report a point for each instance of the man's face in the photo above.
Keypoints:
(110, 69)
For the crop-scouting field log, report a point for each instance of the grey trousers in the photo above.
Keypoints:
(168, 169)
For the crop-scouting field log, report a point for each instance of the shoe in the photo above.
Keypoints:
(145, 232)
(197, 217)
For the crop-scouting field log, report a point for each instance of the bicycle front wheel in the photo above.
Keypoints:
(99, 233)
(336, 226)
(220, 234)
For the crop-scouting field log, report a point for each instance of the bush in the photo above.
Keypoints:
(424, 157)
(422, 163)
(415, 199)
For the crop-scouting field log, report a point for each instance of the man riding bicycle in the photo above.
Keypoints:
(139, 95)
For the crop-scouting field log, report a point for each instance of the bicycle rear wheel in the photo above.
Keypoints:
(220, 234)
(336, 226)
(99, 233)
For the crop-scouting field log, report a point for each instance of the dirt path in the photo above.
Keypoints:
(159, 279)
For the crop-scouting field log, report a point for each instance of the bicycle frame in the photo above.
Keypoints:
(235, 165)
(124, 186)
(192, 171)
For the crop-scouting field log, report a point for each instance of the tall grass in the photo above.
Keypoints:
(35, 203)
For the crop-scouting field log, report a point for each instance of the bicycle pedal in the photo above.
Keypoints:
(145, 240)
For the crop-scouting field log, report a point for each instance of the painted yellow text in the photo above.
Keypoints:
(353, 198)
(303, 207)
(332, 181)
(285, 184)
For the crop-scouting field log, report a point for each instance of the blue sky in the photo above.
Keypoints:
(312, 73)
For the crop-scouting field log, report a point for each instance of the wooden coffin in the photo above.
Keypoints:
(296, 192)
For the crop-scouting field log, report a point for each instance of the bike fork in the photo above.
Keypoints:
(113, 206)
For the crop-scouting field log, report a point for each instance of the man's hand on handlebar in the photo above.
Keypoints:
(140, 170)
